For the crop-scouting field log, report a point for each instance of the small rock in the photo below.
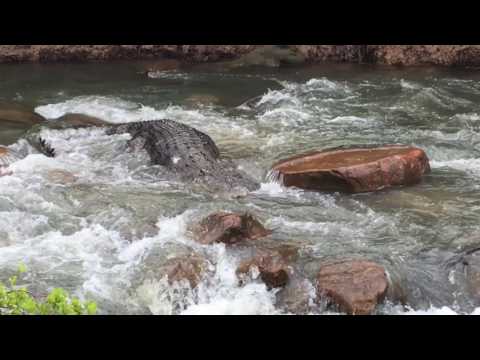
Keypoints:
(190, 268)
(273, 266)
(297, 297)
(356, 287)
(8, 157)
(471, 267)
(229, 228)
(354, 170)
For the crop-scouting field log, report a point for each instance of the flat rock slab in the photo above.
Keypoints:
(355, 286)
(354, 170)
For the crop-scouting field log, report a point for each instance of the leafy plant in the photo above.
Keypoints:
(15, 300)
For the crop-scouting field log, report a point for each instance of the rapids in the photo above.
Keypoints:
(101, 235)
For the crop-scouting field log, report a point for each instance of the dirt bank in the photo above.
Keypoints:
(408, 55)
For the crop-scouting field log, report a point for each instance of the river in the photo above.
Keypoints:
(101, 236)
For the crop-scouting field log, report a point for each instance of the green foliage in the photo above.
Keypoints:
(15, 300)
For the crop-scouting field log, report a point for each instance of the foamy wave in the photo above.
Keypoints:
(409, 85)
(116, 110)
(350, 120)
(471, 166)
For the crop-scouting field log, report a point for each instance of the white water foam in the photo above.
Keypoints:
(470, 166)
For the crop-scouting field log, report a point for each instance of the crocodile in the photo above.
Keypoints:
(182, 150)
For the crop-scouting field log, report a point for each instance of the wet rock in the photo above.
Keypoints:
(185, 268)
(297, 297)
(76, 121)
(61, 177)
(470, 266)
(354, 170)
(229, 228)
(8, 157)
(356, 287)
(273, 267)
(273, 263)
(18, 115)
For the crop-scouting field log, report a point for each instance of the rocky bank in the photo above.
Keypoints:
(407, 55)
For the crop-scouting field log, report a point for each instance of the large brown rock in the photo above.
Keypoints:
(354, 170)
(229, 228)
(274, 266)
(356, 287)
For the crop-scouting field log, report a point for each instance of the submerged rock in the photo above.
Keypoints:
(354, 170)
(274, 266)
(73, 120)
(19, 115)
(189, 268)
(356, 287)
(7, 157)
(175, 262)
(229, 228)
(61, 177)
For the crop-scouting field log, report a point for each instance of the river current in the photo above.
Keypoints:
(101, 236)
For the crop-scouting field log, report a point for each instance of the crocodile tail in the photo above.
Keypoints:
(45, 148)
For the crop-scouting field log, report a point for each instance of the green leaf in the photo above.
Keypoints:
(91, 308)
(22, 268)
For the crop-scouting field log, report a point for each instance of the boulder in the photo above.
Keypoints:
(229, 228)
(273, 266)
(356, 287)
(354, 170)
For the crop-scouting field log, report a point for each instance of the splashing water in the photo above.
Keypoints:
(104, 228)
